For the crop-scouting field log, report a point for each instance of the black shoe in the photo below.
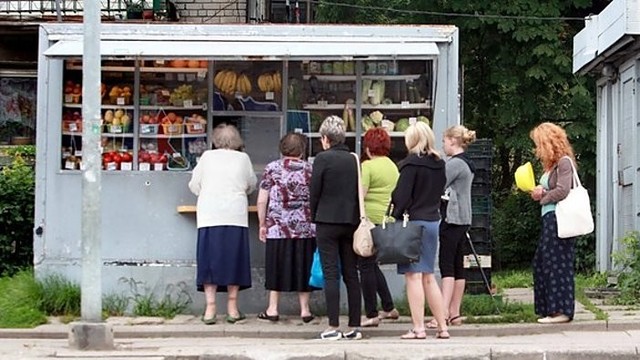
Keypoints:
(308, 319)
(264, 316)
(331, 335)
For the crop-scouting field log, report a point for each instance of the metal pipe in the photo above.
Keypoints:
(58, 11)
(91, 284)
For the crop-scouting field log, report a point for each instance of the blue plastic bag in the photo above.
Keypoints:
(316, 279)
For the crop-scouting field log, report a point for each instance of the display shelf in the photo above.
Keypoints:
(144, 69)
(174, 108)
(178, 136)
(415, 106)
(107, 134)
(186, 209)
(368, 77)
(106, 106)
(393, 134)
(219, 113)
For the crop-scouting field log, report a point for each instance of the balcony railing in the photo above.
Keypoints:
(57, 8)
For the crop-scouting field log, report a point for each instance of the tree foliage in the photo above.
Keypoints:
(517, 74)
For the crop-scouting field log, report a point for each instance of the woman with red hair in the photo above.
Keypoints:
(553, 272)
(379, 177)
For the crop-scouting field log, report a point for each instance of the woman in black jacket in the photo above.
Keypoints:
(334, 209)
(417, 194)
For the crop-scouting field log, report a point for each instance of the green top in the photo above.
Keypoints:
(379, 178)
(544, 181)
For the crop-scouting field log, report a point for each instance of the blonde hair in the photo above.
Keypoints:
(461, 134)
(227, 137)
(333, 129)
(420, 140)
(552, 144)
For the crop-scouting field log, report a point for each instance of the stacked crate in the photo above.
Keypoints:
(481, 153)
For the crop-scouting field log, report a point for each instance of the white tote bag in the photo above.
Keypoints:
(573, 213)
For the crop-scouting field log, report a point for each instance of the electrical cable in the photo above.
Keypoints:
(449, 14)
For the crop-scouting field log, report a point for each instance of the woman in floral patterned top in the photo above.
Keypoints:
(285, 226)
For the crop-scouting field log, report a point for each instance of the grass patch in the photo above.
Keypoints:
(512, 279)
(19, 301)
(174, 301)
(114, 305)
(59, 296)
(590, 281)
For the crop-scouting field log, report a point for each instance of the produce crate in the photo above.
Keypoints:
(482, 176)
(479, 235)
(480, 189)
(480, 205)
(172, 129)
(482, 162)
(117, 129)
(480, 147)
(481, 221)
(475, 283)
(482, 248)
(149, 129)
(195, 128)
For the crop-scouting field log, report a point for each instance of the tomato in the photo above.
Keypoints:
(107, 158)
(117, 158)
(163, 159)
(126, 157)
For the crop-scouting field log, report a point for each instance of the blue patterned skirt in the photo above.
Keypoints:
(223, 257)
(553, 271)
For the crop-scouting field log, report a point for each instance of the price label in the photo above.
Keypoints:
(187, 103)
(120, 101)
(404, 104)
(77, 153)
(323, 103)
(165, 92)
(176, 155)
(412, 120)
(269, 95)
(196, 126)
(116, 129)
(158, 167)
(66, 154)
(81, 165)
(147, 129)
(173, 128)
(112, 166)
(144, 166)
(159, 62)
(190, 77)
(73, 127)
(202, 74)
(69, 165)
(126, 166)
(181, 77)
(297, 130)
(371, 93)
(68, 98)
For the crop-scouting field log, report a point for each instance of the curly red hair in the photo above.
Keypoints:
(551, 144)
(378, 142)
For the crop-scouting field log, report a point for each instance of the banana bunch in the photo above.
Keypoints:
(268, 82)
(226, 81)
(243, 85)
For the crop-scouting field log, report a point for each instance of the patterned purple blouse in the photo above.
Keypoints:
(288, 212)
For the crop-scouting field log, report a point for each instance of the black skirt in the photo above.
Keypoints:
(223, 257)
(288, 264)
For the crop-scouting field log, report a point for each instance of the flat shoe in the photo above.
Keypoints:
(264, 316)
(414, 335)
(433, 324)
(209, 321)
(307, 319)
(371, 322)
(232, 320)
(391, 315)
(554, 319)
(442, 334)
(455, 321)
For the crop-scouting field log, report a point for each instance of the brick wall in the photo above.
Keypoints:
(212, 11)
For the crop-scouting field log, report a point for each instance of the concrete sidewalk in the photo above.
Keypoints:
(186, 338)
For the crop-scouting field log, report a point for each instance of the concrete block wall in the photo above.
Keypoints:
(212, 11)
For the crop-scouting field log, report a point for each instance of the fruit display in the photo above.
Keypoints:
(72, 92)
(270, 82)
(180, 94)
(226, 81)
(72, 121)
(117, 121)
(120, 95)
(117, 160)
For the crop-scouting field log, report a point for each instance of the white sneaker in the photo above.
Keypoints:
(558, 319)
(354, 334)
(331, 335)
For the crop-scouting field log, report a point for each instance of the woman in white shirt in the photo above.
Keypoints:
(222, 180)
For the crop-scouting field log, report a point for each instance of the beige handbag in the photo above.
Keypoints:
(362, 239)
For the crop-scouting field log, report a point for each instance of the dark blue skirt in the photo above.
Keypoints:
(223, 257)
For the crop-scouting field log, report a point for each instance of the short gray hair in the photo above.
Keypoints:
(227, 137)
(333, 129)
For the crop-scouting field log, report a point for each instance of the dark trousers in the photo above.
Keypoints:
(453, 247)
(373, 282)
(335, 244)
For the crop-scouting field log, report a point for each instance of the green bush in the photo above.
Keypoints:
(59, 296)
(17, 186)
(627, 259)
(19, 301)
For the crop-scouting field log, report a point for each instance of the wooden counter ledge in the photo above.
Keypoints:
(185, 209)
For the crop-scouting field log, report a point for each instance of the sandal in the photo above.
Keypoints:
(433, 324)
(442, 334)
(307, 319)
(232, 320)
(455, 321)
(264, 316)
(414, 334)
(209, 321)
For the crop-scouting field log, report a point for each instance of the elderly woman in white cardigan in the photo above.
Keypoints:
(222, 180)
